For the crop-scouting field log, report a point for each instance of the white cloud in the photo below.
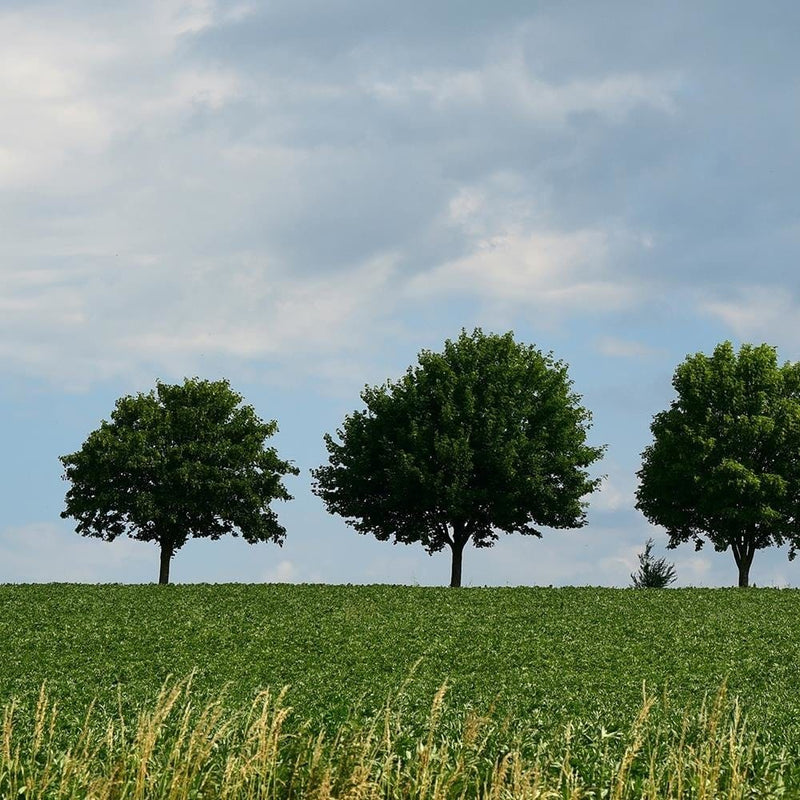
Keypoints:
(43, 552)
(44, 89)
(621, 562)
(173, 226)
(697, 569)
(552, 271)
(758, 313)
(87, 324)
(179, 17)
(779, 579)
(283, 572)
(508, 85)
(65, 82)
(558, 558)
(616, 492)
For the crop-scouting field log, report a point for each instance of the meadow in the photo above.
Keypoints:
(400, 691)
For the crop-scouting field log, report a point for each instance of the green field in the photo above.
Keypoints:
(533, 660)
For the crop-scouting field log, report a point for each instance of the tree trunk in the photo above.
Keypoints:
(744, 558)
(455, 570)
(166, 557)
(744, 571)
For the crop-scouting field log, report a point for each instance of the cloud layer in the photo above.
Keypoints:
(192, 178)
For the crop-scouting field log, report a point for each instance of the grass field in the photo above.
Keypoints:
(554, 673)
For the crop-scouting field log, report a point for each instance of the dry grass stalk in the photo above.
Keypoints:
(182, 751)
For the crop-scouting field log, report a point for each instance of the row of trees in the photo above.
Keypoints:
(485, 437)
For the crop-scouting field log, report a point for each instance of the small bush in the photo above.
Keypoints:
(654, 573)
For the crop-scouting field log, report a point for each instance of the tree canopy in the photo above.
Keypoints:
(482, 438)
(183, 460)
(723, 464)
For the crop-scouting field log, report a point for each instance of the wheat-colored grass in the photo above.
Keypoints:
(182, 749)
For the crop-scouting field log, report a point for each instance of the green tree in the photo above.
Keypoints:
(183, 460)
(723, 464)
(653, 573)
(485, 437)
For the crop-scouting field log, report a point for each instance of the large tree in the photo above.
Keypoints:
(724, 464)
(482, 438)
(183, 460)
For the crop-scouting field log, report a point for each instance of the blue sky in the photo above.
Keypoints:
(299, 196)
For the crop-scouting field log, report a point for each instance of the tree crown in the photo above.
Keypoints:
(182, 460)
(484, 436)
(723, 461)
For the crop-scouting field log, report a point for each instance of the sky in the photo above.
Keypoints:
(300, 195)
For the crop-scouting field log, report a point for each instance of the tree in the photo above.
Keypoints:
(484, 437)
(183, 460)
(653, 573)
(724, 459)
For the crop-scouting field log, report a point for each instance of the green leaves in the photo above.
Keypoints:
(183, 460)
(486, 436)
(539, 657)
(723, 464)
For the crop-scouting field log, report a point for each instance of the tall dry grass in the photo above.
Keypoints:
(181, 749)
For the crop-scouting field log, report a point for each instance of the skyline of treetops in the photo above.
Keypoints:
(486, 436)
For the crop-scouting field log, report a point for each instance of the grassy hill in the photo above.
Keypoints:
(534, 660)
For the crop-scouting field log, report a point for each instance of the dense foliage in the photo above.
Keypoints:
(183, 460)
(542, 657)
(723, 464)
(485, 437)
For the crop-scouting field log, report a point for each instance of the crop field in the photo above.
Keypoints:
(400, 691)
